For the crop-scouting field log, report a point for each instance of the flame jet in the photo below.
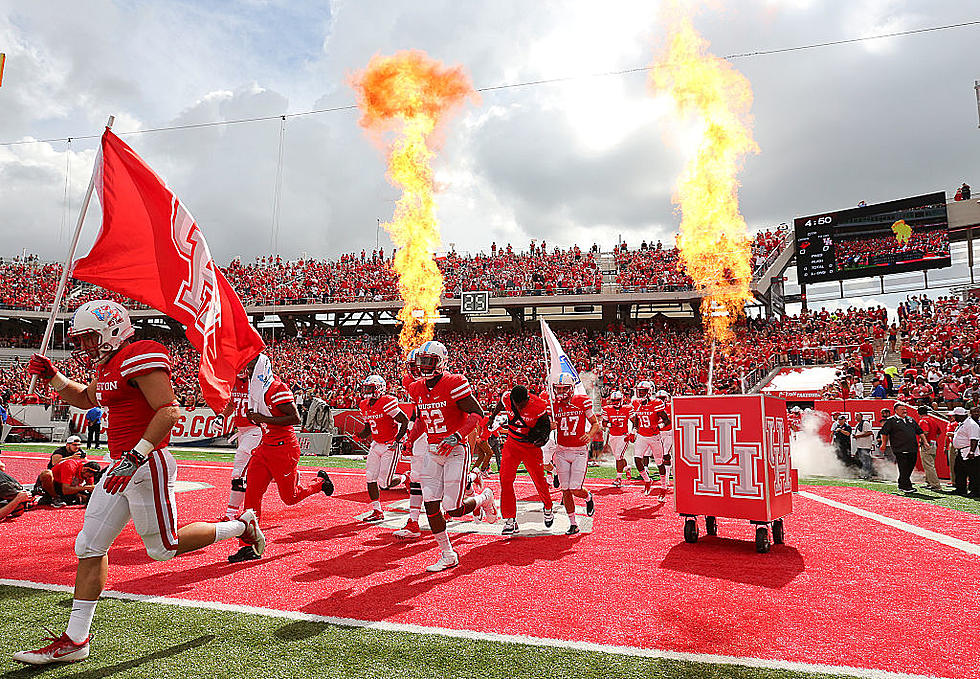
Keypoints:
(713, 242)
(405, 99)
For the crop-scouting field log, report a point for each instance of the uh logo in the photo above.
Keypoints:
(724, 466)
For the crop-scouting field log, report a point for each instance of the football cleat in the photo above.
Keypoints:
(549, 517)
(327, 485)
(447, 560)
(410, 531)
(590, 506)
(246, 553)
(253, 534)
(647, 485)
(489, 507)
(573, 529)
(618, 482)
(475, 479)
(510, 527)
(374, 517)
(61, 649)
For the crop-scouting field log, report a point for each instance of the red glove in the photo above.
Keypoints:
(631, 438)
(42, 367)
(119, 475)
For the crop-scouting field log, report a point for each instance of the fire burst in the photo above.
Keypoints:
(408, 96)
(714, 241)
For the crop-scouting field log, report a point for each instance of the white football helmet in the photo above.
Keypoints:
(562, 386)
(98, 330)
(431, 358)
(644, 389)
(616, 398)
(374, 386)
(412, 363)
(663, 395)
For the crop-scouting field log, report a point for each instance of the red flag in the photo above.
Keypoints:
(151, 250)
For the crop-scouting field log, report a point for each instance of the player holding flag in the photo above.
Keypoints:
(572, 412)
(133, 380)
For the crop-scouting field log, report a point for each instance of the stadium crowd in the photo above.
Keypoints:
(857, 252)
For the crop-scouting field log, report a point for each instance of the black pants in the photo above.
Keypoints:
(967, 474)
(94, 432)
(906, 464)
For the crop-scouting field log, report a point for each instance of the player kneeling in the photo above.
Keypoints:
(571, 452)
(448, 412)
(132, 380)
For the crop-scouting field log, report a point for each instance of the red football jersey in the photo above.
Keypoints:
(131, 414)
(239, 397)
(648, 416)
(380, 416)
(407, 381)
(519, 424)
(618, 419)
(278, 394)
(437, 406)
(571, 416)
(66, 470)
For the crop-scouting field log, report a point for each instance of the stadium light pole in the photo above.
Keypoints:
(976, 87)
(63, 281)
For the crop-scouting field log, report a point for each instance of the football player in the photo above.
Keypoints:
(276, 458)
(448, 412)
(572, 412)
(419, 449)
(528, 429)
(249, 438)
(666, 436)
(387, 425)
(616, 417)
(647, 416)
(133, 380)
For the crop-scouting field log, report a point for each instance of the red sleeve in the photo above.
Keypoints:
(145, 357)
(277, 396)
(389, 406)
(459, 388)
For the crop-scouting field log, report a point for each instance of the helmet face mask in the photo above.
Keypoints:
(411, 363)
(99, 329)
(430, 358)
(374, 386)
(616, 398)
(563, 386)
(644, 390)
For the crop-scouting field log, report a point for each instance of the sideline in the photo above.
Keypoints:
(955, 543)
(541, 642)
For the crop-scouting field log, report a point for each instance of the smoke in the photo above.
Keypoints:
(813, 456)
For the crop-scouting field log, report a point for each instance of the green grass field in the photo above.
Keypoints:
(139, 640)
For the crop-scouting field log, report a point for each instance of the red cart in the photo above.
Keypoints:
(732, 460)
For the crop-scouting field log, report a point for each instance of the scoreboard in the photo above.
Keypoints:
(910, 234)
(475, 303)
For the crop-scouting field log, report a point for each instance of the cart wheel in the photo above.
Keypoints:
(691, 530)
(762, 540)
(711, 525)
(778, 533)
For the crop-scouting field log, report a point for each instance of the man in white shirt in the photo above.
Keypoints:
(863, 442)
(965, 442)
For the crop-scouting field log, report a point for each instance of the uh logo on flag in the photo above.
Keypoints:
(151, 250)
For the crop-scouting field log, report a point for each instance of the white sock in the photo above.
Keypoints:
(572, 519)
(414, 502)
(644, 475)
(443, 540)
(236, 500)
(225, 530)
(619, 475)
(80, 620)
(486, 495)
(376, 505)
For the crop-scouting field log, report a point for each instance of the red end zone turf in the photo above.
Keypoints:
(845, 590)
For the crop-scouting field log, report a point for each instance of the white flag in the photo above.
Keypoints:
(556, 359)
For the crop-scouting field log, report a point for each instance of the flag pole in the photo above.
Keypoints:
(711, 369)
(63, 282)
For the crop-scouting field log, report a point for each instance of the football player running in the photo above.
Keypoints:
(666, 437)
(133, 380)
(387, 425)
(572, 412)
(448, 412)
(529, 428)
(648, 414)
(420, 448)
(616, 417)
(249, 438)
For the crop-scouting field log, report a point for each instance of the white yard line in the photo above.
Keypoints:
(710, 659)
(955, 543)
